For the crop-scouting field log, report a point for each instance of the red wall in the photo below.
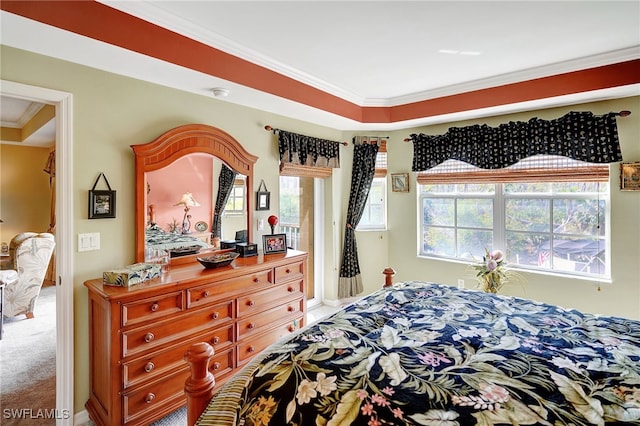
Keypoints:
(194, 174)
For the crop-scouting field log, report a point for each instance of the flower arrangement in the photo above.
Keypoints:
(492, 272)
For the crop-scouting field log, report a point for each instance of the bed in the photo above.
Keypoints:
(421, 353)
(157, 238)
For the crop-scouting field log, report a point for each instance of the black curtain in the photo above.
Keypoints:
(308, 151)
(578, 135)
(225, 185)
(364, 166)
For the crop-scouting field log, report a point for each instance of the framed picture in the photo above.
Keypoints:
(630, 176)
(262, 197)
(262, 200)
(102, 204)
(400, 182)
(274, 243)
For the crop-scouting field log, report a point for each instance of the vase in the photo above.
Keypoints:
(490, 283)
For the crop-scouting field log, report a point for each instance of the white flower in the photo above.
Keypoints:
(325, 385)
(306, 391)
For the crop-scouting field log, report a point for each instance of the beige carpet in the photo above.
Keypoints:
(28, 365)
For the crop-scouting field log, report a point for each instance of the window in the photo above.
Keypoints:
(556, 226)
(374, 216)
(235, 203)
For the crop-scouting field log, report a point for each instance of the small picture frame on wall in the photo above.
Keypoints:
(102, 203)
(400, 182)
(274, 243)
(630, 176)
(262, 197)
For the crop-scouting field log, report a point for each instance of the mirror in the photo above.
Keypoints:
(196, 153)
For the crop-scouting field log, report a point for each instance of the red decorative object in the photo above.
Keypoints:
(273, 221)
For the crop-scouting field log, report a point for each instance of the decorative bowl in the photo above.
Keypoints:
(218, 260)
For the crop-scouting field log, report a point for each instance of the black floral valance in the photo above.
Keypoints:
(307, 150)
(578, 135)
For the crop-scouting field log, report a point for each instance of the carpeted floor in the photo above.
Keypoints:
(28, 365)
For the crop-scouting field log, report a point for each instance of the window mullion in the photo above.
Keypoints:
(499, 220)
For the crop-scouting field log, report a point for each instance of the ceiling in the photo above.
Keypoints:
(351, 65)
(17, 114)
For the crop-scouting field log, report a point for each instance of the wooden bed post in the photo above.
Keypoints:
(388, 276)
(199, 386)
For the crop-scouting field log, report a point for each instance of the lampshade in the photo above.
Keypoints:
(187, 200)
(273, 220)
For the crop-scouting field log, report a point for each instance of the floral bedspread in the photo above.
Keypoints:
(429, 354)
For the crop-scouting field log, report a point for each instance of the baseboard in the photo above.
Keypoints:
(81, 418)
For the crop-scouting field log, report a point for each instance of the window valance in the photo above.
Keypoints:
(577, 135)
(305, 150)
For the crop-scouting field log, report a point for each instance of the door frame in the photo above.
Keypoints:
(63, 103)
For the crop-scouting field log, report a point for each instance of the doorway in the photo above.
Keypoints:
(300, 216)
(62, 102)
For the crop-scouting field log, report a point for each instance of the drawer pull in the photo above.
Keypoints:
(149, 337)
(256, 279)
(215, 315)
(251, 303)
(291, 309)
(251, 349)
(149, 367)
(291, 289)
(155, 307)
(216, 365)
(292, 328)
(251, 326)
(150, 397)
(288, 271)
(206, 293)
(216, 340)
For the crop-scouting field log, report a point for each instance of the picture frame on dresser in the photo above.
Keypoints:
(274, 243)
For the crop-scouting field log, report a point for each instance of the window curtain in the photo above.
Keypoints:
(578, 135)
(381, 158)
(225, 185)
(364, 163)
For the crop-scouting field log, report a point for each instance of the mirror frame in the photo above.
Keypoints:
(176, 143)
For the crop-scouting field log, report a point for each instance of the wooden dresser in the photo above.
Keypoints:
(138, 336)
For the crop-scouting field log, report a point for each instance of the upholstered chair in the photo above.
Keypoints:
(10, 261)
(23, 284)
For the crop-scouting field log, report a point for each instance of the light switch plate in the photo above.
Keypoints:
(89, 241)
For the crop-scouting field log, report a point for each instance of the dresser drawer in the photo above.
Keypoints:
(149, 398)
(152, 308)
(162, 362)
(250, 347)
(268, 298)
(199, 296)
(257, 323)
(222, 364)
(146, 338)
(294, 271)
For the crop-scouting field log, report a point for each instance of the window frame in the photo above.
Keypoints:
(499, 231)
(238, 184)
(382, 181)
